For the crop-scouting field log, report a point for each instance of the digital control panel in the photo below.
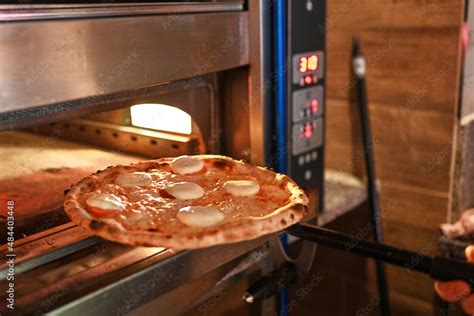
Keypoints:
(306, 92)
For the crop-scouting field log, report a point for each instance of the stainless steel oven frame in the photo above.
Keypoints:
(63, 62)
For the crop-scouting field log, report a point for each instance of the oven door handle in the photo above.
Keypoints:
(440, 268)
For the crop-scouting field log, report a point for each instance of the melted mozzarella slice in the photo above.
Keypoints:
(186, 165)
(135, 179)
(185, 190)
(200, 216)
(106, 201)
(139, 219)
(241, 187)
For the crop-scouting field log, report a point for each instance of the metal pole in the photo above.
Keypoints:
(358, 64)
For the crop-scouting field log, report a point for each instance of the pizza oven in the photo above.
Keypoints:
(95, 84)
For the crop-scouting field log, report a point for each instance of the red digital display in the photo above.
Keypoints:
(308, 63)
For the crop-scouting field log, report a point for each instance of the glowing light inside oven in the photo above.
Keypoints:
(161, 117)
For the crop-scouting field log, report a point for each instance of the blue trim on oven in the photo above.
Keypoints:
(281, 112)
(280, 69)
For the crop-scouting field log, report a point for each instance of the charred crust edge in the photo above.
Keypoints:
(222, 163)
(95, 225)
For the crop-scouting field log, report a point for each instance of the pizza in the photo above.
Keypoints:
(185, 202)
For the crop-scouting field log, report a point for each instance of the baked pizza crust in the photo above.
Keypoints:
(229, 232)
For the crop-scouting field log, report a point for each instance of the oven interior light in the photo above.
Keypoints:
(161, 117)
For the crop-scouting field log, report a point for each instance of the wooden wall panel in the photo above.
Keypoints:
(400, 75)
(412, 50)
(402, 205)
(407, 305)
(413, 150)
(412, 57)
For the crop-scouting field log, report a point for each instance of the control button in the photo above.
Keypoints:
(314, 155)
(307, 102)
(306, 138)
(308, 158)
(307, 174)
(301, 160)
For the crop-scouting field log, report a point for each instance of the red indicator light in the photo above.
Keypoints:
(308, 130)
(314, 105)
(308, 80)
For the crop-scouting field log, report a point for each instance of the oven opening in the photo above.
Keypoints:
(50, 158)
(40, 162)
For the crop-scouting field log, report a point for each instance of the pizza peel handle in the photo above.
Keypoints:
(440, 268)
(446, 269)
